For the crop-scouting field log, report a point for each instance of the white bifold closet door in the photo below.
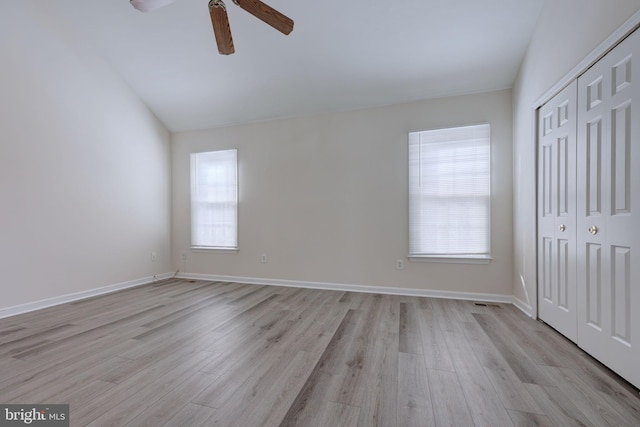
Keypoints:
(589, 210)
(608, 209)
(557, 212)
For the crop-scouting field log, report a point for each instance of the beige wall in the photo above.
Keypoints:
(84, 172)
(567, 31)
(84, 166)
(325, 197)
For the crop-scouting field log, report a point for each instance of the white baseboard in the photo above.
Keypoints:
(522, 306)
(507, 299)
(431, 293)
(63, 299)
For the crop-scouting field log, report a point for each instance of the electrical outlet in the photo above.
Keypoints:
(399, 264)
(263, 258)
(184, 256)
(154, 256)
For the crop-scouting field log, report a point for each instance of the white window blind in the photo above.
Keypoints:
(214, 200)
(450, 192)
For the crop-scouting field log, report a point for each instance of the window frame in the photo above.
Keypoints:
(425, 256)
(194, 201)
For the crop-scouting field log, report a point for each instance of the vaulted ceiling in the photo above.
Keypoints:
(341, 55)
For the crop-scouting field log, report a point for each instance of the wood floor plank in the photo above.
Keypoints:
(484, 404)
(352, 300)
(609, 386)
(512, 393)
(319, 307)
(57, 374)
(410, 332)
(127, 400)
(63, 386)
(560, 410)
(23, 345)
(338, 414)
(353, 370)
(111, 327)
(483, 401)
(248, 375)
(414, 406)
(505, 382)
(526, 333)
(390, 315)
(82, 395)
(486, 352)
(379, 405)
(449, 404)
(625, 405)
(270, 407)
(170, 404)
(29, 334)
(194, 319)
(466, 309)
(321, 332)
(518, 359)
(425, 303)
(339, 375)
(597, 410)
(199, 336)
(448, 315)
(9, 329)
(173, 314)
(525, 419)
(9, 366)
(233, 349)
(307, 402)
(191, 415)
(434, 345)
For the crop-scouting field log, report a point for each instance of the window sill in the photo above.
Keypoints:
(451, 259)
(211, 249)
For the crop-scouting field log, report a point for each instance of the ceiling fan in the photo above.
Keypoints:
(220, 20)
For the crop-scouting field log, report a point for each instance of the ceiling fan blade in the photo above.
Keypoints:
(267, 14)
(221, 28)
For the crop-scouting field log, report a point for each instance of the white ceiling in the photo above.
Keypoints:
(341, 55)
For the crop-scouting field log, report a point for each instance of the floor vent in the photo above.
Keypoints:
(487, 304)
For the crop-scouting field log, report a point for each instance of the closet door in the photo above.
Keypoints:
(608, 233)
(557, 212)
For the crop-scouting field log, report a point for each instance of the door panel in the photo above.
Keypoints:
(547, 271)
(608, 199)
(621, 291)
(564, 266)
(620, 163)
(557, 212)
(593, 285)
(594, 167)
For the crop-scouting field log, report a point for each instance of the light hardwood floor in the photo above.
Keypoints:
(190, 353)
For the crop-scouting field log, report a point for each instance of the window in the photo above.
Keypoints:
(450, 193)
(214, 200)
